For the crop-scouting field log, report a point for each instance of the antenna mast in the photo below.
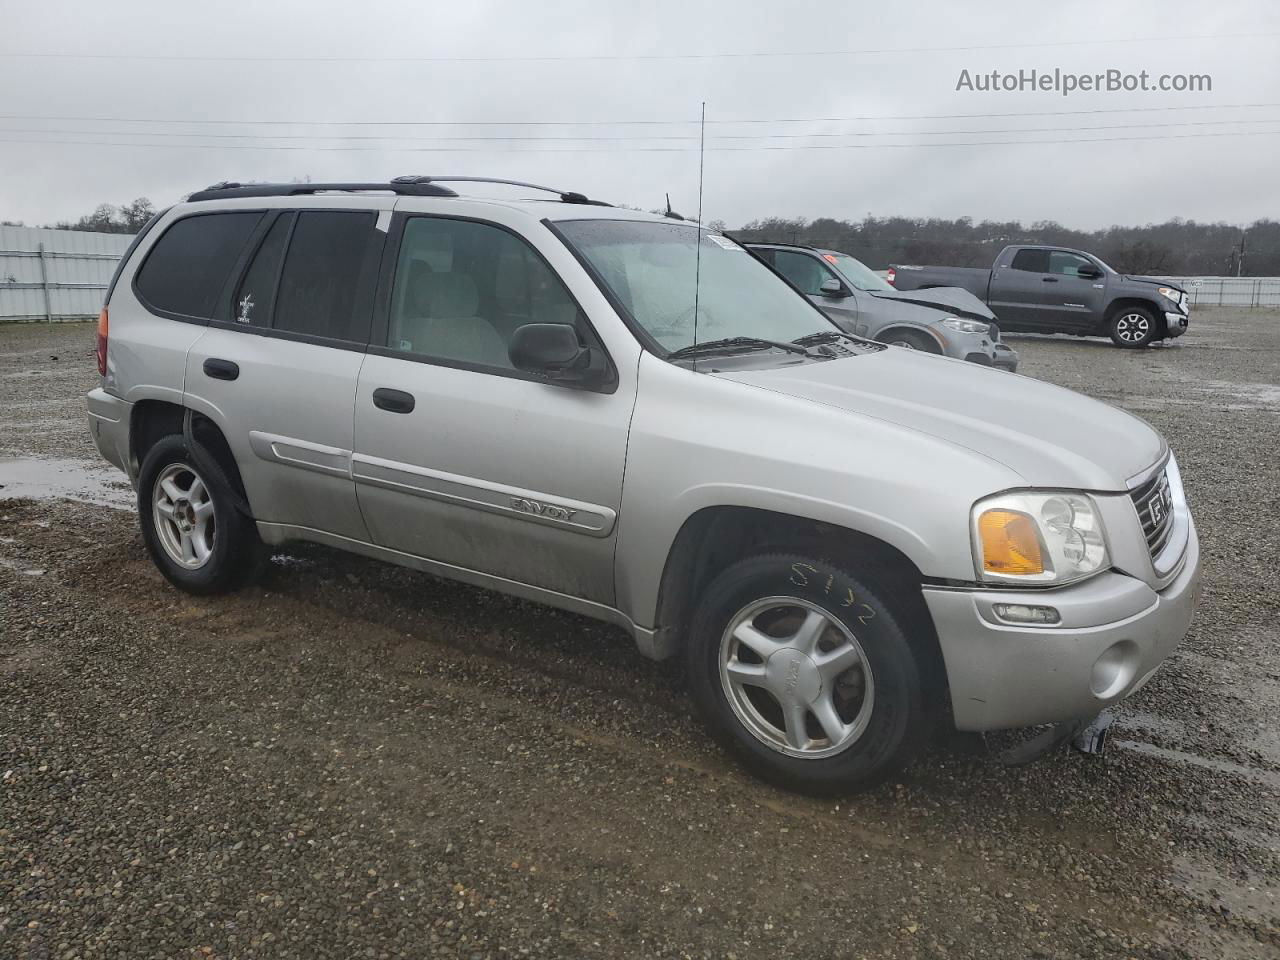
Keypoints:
(697, 235)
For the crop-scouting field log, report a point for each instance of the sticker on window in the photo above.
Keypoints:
(720, 241)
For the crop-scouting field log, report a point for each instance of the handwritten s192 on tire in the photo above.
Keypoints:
(801, 669)
(195, 533)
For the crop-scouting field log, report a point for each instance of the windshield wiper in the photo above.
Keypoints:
(717, 346)
(823, 336)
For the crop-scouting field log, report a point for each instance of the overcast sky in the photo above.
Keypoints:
(423, 62)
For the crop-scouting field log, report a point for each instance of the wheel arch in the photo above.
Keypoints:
(151, 420)
(713, 537)
(1125, 303)
(900, 326)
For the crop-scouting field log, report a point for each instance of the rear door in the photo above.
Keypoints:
(1017, 290)
(277, 369)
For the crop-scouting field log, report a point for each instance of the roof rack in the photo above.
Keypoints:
(408, 186)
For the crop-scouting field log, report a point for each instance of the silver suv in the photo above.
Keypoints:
(634, 419)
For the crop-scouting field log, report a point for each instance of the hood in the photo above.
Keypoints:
(1051, 436)
(952, 299)
(1154, 282)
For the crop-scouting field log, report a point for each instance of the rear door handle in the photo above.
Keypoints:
(1049, 279)
(221, 369)
(393, 401)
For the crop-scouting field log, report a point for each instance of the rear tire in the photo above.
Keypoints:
(195, 533)
(1132, 327)
(824, 695)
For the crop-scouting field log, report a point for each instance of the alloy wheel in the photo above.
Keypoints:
(184, 517)
(796, 677)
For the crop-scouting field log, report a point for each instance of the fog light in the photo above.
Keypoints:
(1025, 613)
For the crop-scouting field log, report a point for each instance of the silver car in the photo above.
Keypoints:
(943, 320)
(635, 419)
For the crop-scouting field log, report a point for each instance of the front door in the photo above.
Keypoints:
(461, 458)
(279, 372)
(808, 274)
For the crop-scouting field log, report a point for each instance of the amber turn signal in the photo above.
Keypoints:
(1010, 543)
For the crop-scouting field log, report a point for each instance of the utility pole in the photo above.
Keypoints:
(1240, 259)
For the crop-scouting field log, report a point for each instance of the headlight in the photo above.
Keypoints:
(965, 326)
(1041, 538)
(1169, 293)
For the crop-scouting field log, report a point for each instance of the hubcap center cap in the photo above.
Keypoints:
(794, 676)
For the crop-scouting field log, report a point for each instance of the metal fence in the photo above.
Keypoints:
(1230, 291)
(55, 274)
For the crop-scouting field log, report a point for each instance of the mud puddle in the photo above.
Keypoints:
(44, 479)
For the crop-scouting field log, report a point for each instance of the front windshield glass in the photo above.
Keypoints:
(858, 273)
(650, 268)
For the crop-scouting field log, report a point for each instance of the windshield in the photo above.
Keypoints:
(650, 268)
(857, 272)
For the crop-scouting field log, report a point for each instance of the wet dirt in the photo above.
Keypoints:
(354, 760)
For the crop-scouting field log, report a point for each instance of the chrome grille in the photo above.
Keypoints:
(1154, 504)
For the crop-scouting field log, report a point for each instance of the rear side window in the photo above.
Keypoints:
(1033, 261)
(326, 288)
(257, 290)
(189, 265)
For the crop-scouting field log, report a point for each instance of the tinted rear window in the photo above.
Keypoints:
(187, 268)
(1033, 261)
(327, 285)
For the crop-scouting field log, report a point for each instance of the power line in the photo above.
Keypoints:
(627, 138)
(591, 57)
(621, 123)
(644, 149)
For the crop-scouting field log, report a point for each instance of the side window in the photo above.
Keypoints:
(1033, 261)
(1066, 264)
(253, 298)
(462, 289)
(326, 287)
(802, 270)
(187, 268)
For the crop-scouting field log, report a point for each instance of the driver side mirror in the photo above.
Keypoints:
(552, 350)
(1089, 273)
(831, 287)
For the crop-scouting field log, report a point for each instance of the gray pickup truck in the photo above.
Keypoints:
(1043, 289)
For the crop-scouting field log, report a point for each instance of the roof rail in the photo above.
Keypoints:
(566, 196)
(409, 186)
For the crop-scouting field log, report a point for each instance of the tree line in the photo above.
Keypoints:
(1175, 248)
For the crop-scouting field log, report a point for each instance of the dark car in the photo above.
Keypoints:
(1044, 289)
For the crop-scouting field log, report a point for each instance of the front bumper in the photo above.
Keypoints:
(1176, 323)
(109, 419)
(1114, 633)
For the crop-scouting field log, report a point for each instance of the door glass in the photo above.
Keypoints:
(802, 270)
(462, 289)
(1066, 264)
(326, 289)
(1033, 261)
(186, 269)
(252, 304)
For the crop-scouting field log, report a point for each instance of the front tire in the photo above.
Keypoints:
(800, 668)
(196, 535)
(913, 340)
(1132, 327)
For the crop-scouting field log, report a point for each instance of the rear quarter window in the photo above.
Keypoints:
(189, 265)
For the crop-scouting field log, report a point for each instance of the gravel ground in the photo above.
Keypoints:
(353, 760)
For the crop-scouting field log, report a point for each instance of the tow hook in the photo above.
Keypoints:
(1093, 738)
(1087, 736)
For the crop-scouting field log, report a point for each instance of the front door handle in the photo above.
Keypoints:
(1049, 279)
(393, 401)
(221, 369)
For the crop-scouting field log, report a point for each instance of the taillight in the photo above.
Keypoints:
(891, 274)
(102, 342)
